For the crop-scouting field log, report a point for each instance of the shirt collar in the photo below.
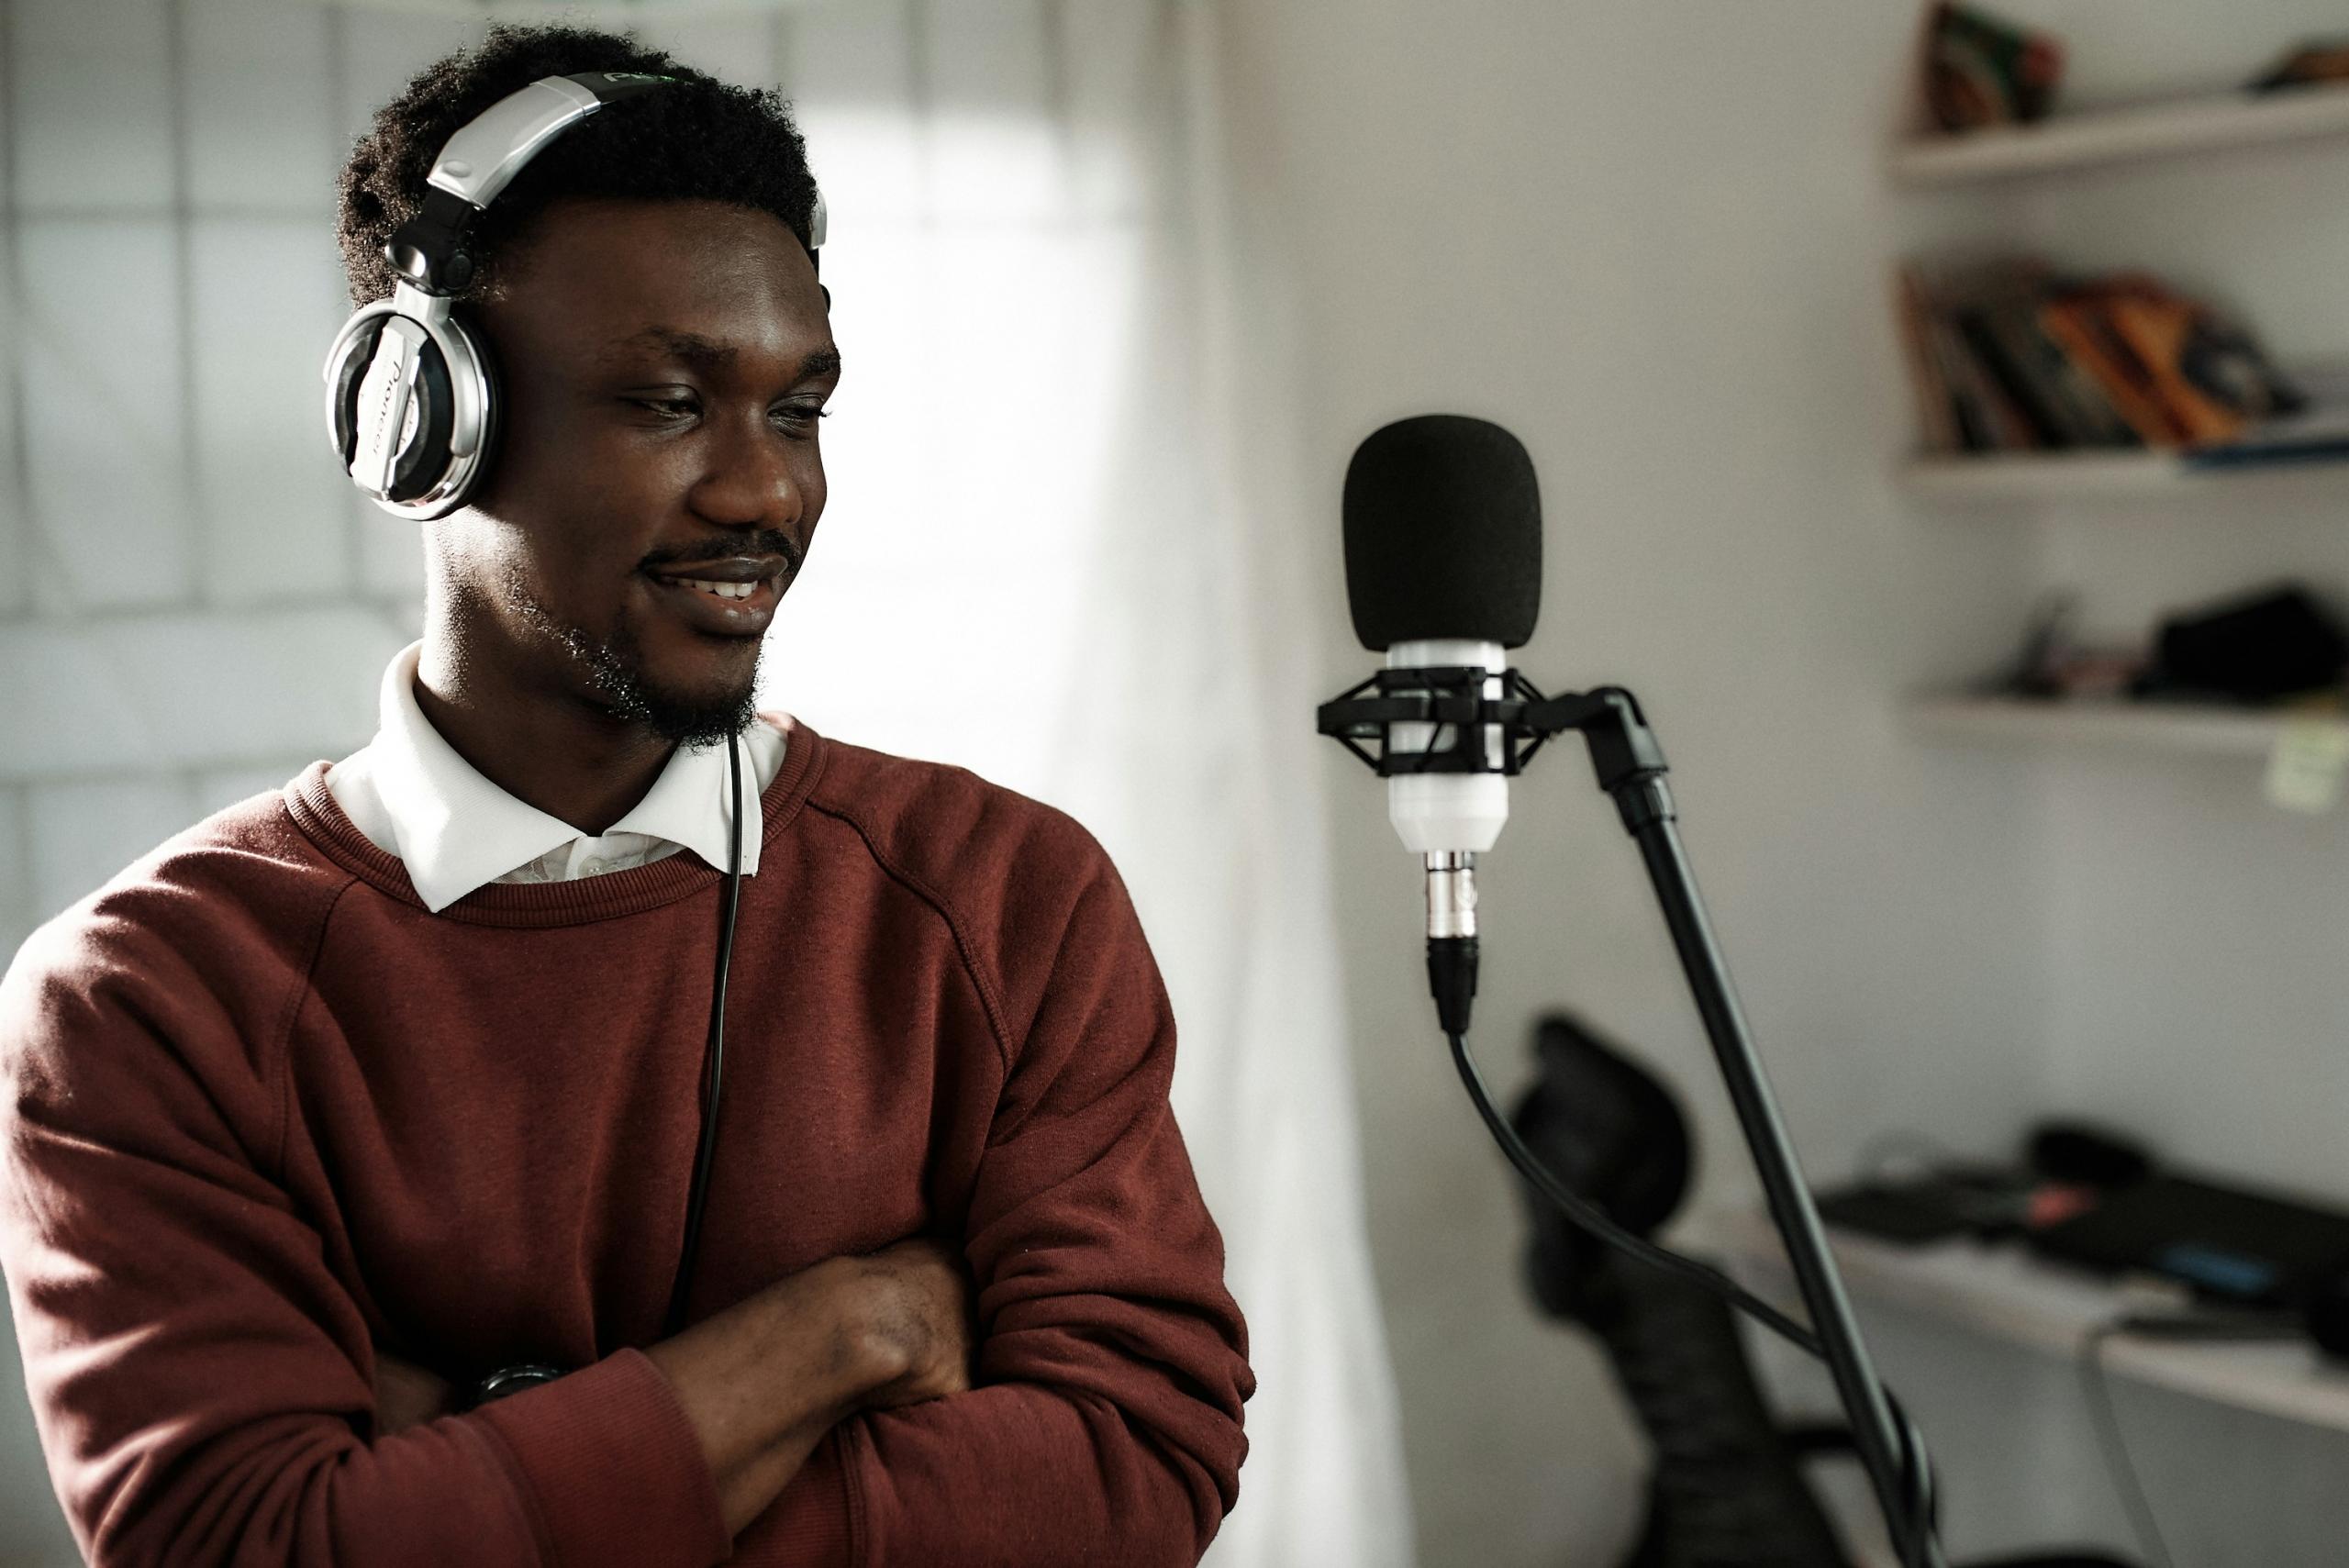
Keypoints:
(456, 830)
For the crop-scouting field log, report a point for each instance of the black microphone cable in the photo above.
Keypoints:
(714, 1056)
(1592, 1218)
(1446, 960)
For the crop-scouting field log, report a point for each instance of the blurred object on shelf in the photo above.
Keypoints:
(2264, 646)
(2055, 663)
(2068, 1166)
(2316, 432)
(2226, 1242)
(2316, 63)
(2276, 648)
(1981, 70)
(2328, 1314)
(2087, 1154)
(2009, 354)
(2120, 1211)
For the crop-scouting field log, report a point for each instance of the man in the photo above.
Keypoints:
(354, 1098)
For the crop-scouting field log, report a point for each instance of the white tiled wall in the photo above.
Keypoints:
(192, 603)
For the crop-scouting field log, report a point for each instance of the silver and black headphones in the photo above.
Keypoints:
(412, 398)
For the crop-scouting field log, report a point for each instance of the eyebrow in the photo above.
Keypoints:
(708, 353)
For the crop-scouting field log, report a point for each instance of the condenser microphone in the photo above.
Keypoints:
(1444, 572)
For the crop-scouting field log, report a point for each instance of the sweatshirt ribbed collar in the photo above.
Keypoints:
(314, 811)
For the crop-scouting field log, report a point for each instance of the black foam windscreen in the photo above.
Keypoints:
(1443, 534)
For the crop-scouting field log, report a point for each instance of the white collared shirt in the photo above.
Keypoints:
(413, 796)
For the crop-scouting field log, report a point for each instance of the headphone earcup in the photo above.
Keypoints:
(455, 392)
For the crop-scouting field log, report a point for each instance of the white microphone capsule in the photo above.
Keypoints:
(1447, 812)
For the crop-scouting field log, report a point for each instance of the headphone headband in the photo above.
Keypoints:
(490, 150)
(482, 159)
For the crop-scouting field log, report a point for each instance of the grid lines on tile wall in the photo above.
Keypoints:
(193, 604)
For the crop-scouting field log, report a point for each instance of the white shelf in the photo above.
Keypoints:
(2209, 731)
(2003, 478)
(2033, 477)
(2123, 135)
(2006, 1293)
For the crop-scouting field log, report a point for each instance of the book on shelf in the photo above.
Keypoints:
(1979, 68)
(2010, 354)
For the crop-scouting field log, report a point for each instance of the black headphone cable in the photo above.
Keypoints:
(713, 1062)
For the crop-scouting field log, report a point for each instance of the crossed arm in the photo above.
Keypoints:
(765, 1381)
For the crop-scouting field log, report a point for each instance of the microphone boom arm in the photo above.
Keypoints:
(1630, 766)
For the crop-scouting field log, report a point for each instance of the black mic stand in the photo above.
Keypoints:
(1630, 766)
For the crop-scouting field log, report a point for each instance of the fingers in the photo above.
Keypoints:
(408, 1394)
(928, 1308)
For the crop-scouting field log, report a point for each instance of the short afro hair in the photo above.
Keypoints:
(696, 141)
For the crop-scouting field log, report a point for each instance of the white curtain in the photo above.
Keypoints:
(1038, 561)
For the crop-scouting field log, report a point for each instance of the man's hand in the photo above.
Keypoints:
(920, 1304)
(763, 1381)
(407, 1396)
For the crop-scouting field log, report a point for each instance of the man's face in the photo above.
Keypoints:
(658, 479)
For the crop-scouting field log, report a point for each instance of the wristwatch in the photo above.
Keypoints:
(508, 1380)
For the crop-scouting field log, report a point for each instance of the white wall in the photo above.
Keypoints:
(1655, 242)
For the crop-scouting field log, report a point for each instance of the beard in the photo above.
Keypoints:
(616, 675)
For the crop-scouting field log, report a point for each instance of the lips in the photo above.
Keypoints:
(736, 598)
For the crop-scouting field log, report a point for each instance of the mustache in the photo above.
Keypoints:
(765, 542)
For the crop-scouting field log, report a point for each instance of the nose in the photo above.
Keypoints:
(749, 479)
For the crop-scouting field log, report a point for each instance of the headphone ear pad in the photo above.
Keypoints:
(493, 410)
(342, 397)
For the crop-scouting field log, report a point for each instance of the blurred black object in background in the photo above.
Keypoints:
(2276, 643)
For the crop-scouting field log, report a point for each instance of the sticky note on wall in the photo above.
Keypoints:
(2310, 762)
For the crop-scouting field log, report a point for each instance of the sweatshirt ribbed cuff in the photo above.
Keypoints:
(614, 1469)
(809, 1525)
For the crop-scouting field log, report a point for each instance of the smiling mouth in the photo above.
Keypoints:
(734, 598)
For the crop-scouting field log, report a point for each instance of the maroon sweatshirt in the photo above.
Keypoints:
(264, 1112)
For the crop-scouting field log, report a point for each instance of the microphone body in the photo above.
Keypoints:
(1447, 818)
(1443, 567)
